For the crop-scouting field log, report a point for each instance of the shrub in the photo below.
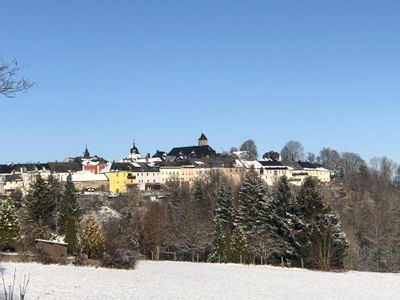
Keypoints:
(120, 259)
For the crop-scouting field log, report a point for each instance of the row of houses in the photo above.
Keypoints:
(183, 164)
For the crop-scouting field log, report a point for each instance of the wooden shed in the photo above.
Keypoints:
(57, 251)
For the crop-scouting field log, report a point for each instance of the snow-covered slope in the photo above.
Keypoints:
(174, 280)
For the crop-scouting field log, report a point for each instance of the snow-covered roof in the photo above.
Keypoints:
(51, 242)
(88, 176)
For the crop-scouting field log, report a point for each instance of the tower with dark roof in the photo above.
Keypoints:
(203, 141)
(134, 149)
(134, 153)
(86, 154)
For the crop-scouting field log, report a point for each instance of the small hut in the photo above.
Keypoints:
(52, 250)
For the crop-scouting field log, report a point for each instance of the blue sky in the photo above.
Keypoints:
(325, 73)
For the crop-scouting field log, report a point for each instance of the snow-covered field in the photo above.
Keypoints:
(174, 280)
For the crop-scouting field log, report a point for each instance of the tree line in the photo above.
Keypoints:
(248, 223)
(352, 222)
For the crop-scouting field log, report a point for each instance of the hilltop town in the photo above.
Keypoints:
(95, 174)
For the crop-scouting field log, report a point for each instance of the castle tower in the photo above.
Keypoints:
(203, 141)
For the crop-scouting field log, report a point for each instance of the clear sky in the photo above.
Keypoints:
(326, 73)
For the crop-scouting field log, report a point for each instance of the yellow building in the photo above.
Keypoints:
(122, 177)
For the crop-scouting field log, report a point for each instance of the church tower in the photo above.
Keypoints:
(134, 153)
(203, 141)
(86, 154)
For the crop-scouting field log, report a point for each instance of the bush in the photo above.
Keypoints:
(80, 259)
(120, 259)
(121, 242)
(32, 232)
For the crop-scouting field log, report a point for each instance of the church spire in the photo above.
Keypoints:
(86, 154)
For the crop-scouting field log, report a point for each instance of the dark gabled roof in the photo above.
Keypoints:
(146, 168)
(123, 166)
(159, 154)
(64, 167)
(309, 165)
(99, 159)
(294, 165)
(224, 161)
(193, 151)
(203, 137)
(272, 164)
(30, 167)
(168, 164)
(5, 169)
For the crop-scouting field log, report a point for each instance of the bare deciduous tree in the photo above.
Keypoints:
(9, 84)
(155, 224)
(251, 148)
(350, 163)
(293, 151)
(311, 157)
(329, 158)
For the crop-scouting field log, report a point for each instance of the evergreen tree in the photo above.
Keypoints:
(223, 226)
(92, 238)
(17, 198)
(251, 192)
(252, 212)
(55, 190)
(238, 245)
(68, 205)
(321, 240)
(283, 218)
(265, 242)
(39, 204)
(9, 226)
(71, 235)
(224, 208)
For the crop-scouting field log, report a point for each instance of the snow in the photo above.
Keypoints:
(174, 280)
(87, 176)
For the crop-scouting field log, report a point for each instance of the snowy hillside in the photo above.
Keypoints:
(173, 280)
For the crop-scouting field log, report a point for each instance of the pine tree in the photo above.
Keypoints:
(55, 189)
(239, 245)
(223, 226)
(224, 208)
(71, 235)
(39, 204)
(9, 226)
(321, 240)
(251, 192)
(92, 238)
(283, 219)
(68, 205)
(251, 216)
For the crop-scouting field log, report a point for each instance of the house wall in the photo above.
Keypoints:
(95, 169)
(98, 185)
(188, 175)
(321, 175)
(168, 173)
(120, 181)
(234, 174)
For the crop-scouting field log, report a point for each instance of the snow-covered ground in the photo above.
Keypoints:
(174, 280)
